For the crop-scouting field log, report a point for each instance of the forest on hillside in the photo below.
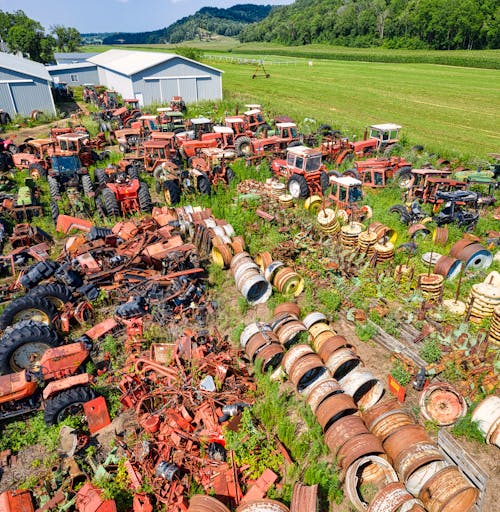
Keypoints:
(419, 24)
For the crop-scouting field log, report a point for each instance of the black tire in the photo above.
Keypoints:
(243, 146)
(56, 293)
(23, 343)
(334, 173)
(104, 154)
(27, 308)
(230, 175)
(294, 144)
(99, 207)
(54, 211)
(55, 192)
(297, 187)
(37, 171)
(262, 128)
(418, 148)
(132, 172)
(204, 185)
(38, 272)
(324, 129)
(110, 203)
(123, 148)
(13, 149)
(66, 402)
(353, 173)
(5, 118)
(401, 210)
(100, 176)
(171, 192)
(324, 182)
(405, 178)
(144, 198)
(88, 187)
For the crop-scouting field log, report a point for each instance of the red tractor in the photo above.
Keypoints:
(305, 173)
(286, 135)
(35, 155)
(376, 172)
(347, 193)
(81, 145)
(213, 162)
(57, 370)
(336, 149)
(377, 138)
(221, 137)
(178, 104)
(121, 192)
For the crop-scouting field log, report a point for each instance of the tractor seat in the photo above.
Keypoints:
(15, 383)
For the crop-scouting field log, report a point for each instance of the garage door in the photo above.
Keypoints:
(187, 89)
(168, 89)
(6, 100)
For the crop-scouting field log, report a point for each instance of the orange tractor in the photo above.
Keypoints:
(376, 139)
(57, 371)
(304, 171)
(347, 194)
(286, 135)
(376, 172)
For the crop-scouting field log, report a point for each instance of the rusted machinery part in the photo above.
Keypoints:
(389, 422)
(271, 356)
(289, 333)
(304, 498)
(263, 505)
(271, 270)
(487, 416)
(363, 386)
(245, 269)
(333, 408)
(200, 503)
(404, 437)
(317, 328)
(326, 347)
(288, 282)
(321, 338)
(287, 307)
(258, 342)
(313, 318)
(294, 354)
(237, 258)
(418, 230)
(383, 232)
(306, 371)
(442, 404)
(256, 289)
(342, 430)
(440, 235)
(459, 246)
(341, 362)
(391, 498)
(280, 320)
(263, 259)
(371, 416)
(221, 255)
(357, 447)
(355, 477)
(476, 257)
(320, 390)
(416, 456)
(416, 480)
(448, 267)
(252, 329)
(448, 491)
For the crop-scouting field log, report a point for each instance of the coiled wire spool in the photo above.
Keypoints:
(328, 221)
(432, 286)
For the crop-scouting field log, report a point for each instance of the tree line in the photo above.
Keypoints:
(414, 24)
(22, 34)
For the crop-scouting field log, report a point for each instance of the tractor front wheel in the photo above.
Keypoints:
(353, 173)
(54, 190)
(405, 178)
(144, 198)
(56, 293)
(54, 211)
(100, 176)
(66, 403)
(297, 187)
(171, 192)
(324, 182)
(243, 146)
(204, 185)
(87, 186)
(110, 202)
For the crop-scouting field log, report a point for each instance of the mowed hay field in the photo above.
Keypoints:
(450, 110)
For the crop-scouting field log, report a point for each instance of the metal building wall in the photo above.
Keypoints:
(24, 93)
(116, 81)
(85, 76)
(177, 77)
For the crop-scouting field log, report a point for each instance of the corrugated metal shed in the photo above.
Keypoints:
(74, 74)
(24, 86)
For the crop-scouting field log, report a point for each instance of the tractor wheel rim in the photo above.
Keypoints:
(73, 409)
(35, 174)
(57, 302)
(26, 355)
(168, 199)
(32, 314)
(405, 183)
(294, 189)
(245, 149)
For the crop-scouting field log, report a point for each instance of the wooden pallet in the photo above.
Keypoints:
(455, 454)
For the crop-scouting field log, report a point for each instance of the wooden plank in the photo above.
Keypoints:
(455, 453)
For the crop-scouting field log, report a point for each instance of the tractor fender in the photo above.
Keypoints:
(83, 379)
(342, 156)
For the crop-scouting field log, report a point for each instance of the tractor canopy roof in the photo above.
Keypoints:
(165, 109)
(147, 117)
(156, 143)
(253, 106)
(304, 151)
(41, 142)
(252, 112)
(66, 164)
(424, 172)
(218, 153)
(465, 196)
(201, 120)
(385, 127)
(285, 125)
(234, 119)
(174, 113)
(346, 181)
(162, 136)
(223, 129)
(72, 136)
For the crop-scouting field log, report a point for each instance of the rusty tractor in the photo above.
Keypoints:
(221, 137)
(23, 206)
(171, 120)
(286, 135)
(376, 172)
(34, 155)
(214, 163)
(178, 104)
(347, 194)
(304, 171)
(377, 138)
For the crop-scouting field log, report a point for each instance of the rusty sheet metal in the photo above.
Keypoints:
(69, 382)
(359, 446)
(390, 498)
(342, 430)
(442, 403)
(371, 468)
(65, 223)
(97, 414)
(304, 498)
(102, 328)
(90, 499)
(16, 501)
(448, 491)
(259, 489)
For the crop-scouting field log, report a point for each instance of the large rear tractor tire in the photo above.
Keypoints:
(401, 210)
(297, 187)
(204, 185)
(37, 171)
(110, 203)
(23, 344)
(88, 187)
(56, 293)
(67, 402)
(54, 211)
(171, 192)
(38, 272)
(28, 308)
(54, 190)
(352, 173)
(144, 198)
(243, 146)
(100, 176)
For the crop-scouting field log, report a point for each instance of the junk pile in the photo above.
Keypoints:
(373, 442)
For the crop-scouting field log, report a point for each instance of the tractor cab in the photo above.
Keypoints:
(346, 191)
(65, 166)
(377, 137)
(253, 119)
(225, 135)
(156, 151)
(171, 120)
(131, 103)
(147, 123)
(177, 103)
(201, 125)
(287, 131)
(237, 124)
(303, 159)
(72, 142)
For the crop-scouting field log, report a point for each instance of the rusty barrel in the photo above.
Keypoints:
(306, 370)
(342, 430)
(319, 390)
(200, 503)
(333, 408)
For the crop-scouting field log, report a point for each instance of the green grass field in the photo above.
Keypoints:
(453, 111)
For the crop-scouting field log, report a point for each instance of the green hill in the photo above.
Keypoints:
(436, 24)
(205, 23)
